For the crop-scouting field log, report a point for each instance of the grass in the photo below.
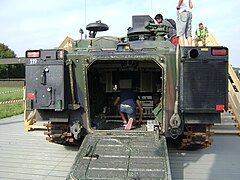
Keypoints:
(7, 110)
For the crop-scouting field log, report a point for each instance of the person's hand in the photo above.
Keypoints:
(140, 121)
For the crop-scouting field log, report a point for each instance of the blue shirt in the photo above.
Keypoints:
(128, 97)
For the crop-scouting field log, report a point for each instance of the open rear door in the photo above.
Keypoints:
(122, 155)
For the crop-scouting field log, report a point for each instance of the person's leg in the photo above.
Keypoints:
(196, 41)
(181, 40)
(189, 28)
(129, 124)
(181, 27)
(121, 111)
(189, 40)
(123, 117)
(131, 117)
(204, 41)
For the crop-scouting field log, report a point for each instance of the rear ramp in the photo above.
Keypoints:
(121, 155)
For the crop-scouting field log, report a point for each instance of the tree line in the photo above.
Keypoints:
(10, 70)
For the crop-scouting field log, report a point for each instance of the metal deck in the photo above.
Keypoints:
(27, 155)
(218, 162)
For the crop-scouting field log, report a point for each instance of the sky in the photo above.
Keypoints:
(29, 24)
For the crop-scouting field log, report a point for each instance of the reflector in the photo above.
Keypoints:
(127, 47)
(220, 107)
(219, 51)
(31, 96)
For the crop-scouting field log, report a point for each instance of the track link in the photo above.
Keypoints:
(60, 133)
(195, 137)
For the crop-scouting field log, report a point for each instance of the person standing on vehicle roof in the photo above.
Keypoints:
(184, 21)
(127, 101)
(201, 34)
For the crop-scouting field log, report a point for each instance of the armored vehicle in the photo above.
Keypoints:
(182, 90)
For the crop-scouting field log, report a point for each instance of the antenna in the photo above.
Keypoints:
(81, 32)
(151, 8)
(85, 18)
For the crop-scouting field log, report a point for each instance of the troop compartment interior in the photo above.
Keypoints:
(105, 80)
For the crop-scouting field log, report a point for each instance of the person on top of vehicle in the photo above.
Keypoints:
(201, 34)
(168, 22)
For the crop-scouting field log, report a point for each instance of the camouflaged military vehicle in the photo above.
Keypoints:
(182, 90)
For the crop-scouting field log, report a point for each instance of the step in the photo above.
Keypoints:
(226, 124)
(37, 127)
(228, 117)
(225, 131)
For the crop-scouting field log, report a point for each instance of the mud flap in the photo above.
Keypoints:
(122, 156)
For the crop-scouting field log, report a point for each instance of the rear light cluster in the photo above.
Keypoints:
(215, 51)
(46, 54)
(33, 54)
(219, 51)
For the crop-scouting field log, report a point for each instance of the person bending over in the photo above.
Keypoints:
(127, 101)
